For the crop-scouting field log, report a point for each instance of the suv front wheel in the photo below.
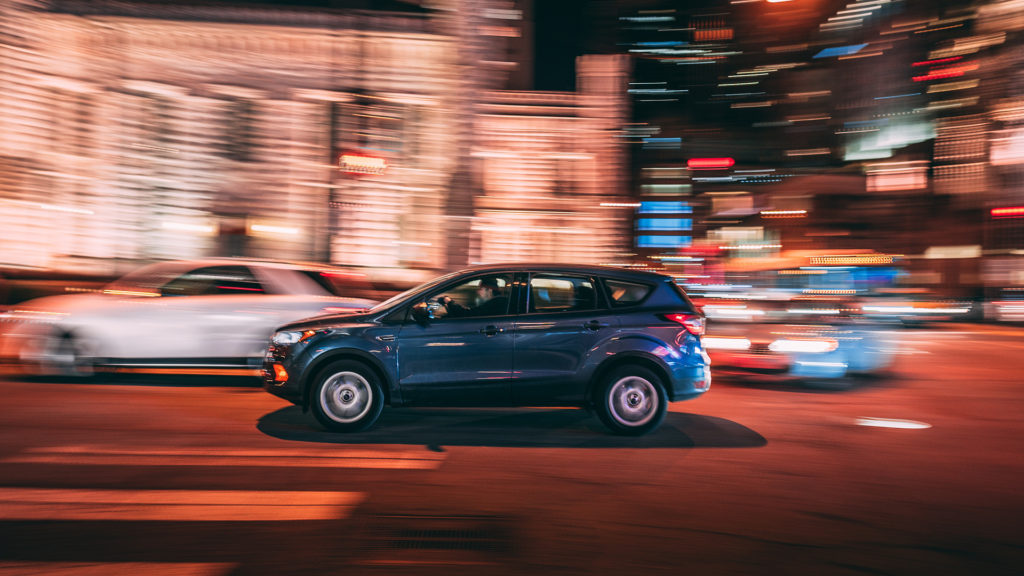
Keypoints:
(347, 397)
(631, 400)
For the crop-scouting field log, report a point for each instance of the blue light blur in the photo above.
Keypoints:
(840, 51)
(661, 207)
(664, 224)
(672, 241)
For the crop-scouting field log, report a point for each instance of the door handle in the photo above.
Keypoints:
(594, 325)
(491, 330)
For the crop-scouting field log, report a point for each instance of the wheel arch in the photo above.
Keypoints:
(313, 371)
(625, 359)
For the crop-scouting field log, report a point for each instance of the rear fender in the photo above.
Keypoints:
(638, 349)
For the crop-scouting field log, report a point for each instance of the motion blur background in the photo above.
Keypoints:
(404, 138)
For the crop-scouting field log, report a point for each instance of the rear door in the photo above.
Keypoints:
(564, 317)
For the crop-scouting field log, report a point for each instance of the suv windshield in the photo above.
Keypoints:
(412, 292)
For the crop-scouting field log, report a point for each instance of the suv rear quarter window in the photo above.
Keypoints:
(623, 293)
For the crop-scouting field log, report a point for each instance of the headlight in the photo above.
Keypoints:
(286, 338)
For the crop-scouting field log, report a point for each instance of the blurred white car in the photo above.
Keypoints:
(210, 317)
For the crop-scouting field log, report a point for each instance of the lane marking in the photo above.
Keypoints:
(174, 505)
(107, 568)
(100, 455)
(893, 423)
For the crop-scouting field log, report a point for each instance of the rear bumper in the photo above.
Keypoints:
(690, 381)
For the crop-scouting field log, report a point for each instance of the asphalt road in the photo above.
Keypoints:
(207, 478)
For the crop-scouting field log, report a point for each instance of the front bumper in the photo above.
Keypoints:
(276, 378)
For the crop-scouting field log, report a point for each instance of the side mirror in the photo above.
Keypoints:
(421, 313)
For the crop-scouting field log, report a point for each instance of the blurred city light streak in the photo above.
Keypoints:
(1013, 212)
(710, 163)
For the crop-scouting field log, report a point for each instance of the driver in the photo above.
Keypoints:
(489, 301)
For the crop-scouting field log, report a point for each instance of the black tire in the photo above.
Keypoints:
(68, 356)
(347, 397)
(631, 400)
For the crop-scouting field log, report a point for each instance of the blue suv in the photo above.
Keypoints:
(623, 342)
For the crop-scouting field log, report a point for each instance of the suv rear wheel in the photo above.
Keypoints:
(631, 400)
(347, 397)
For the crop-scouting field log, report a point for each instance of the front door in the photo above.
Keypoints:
(462, 355)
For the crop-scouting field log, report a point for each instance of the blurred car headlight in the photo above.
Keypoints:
(288, 337)
(813, 345)
(726, 343)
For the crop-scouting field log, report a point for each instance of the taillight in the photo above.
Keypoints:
(694, 324)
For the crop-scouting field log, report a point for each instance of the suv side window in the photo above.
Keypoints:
(624, 293)
(213, 280)
(481, 296)
(558, 293)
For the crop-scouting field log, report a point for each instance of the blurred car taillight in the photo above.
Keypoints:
(694, 324)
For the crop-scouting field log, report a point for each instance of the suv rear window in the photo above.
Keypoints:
(624, 293)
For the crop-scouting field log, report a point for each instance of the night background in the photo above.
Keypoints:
(755, 272)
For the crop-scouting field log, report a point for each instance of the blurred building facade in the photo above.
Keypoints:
(380, 138)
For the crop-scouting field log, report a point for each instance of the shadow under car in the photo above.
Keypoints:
(513, 428)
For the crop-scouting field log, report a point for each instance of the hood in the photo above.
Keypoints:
(328, 321)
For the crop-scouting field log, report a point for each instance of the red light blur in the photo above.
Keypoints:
(1011, 212)
(949, 72)
(709, 163)
(939, 61)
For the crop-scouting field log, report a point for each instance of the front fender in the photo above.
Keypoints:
(377, 354)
